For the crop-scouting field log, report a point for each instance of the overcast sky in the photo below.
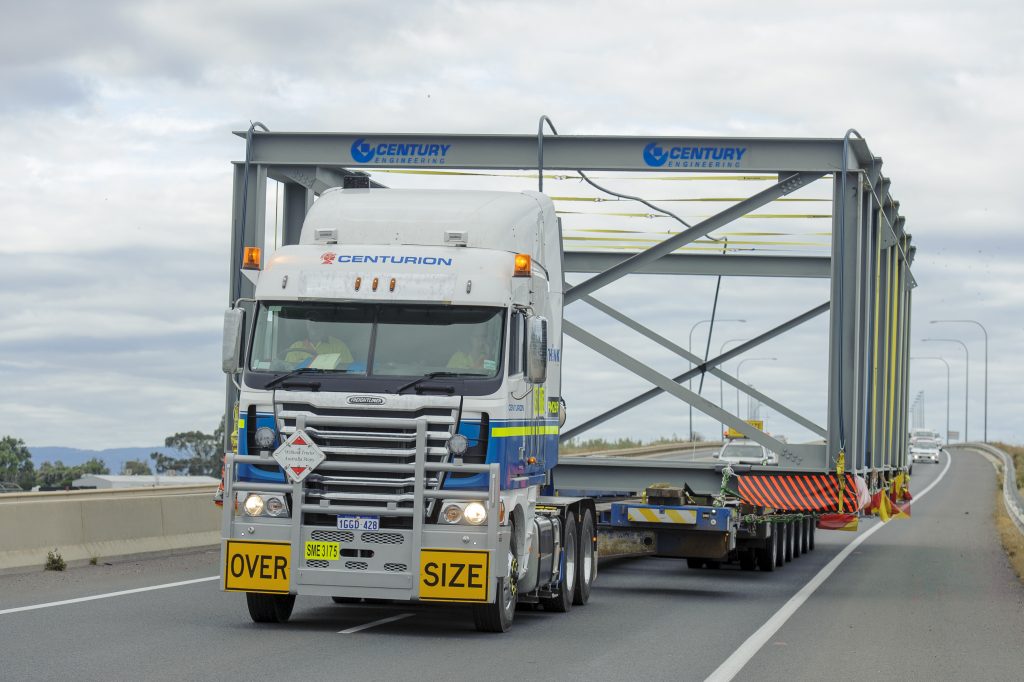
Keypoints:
(116, 120)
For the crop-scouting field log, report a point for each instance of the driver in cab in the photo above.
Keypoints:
(478, 356)
(319, 349)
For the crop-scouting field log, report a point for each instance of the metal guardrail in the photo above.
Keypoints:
(1012, 498)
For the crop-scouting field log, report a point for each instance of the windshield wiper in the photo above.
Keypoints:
(293, 373)
(436, 375)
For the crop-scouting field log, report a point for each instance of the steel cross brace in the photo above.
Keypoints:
(669, 386)
(712, 365)
(701, 229)
(689, 374)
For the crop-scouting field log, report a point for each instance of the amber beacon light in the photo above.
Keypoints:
(251, 258)
(522, 266)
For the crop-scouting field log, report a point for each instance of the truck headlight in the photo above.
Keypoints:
(264, 437)
(475, 513)
(458, 445)
(266, 504)
(472, 513)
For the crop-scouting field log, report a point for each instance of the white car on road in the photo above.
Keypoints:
(746, 452)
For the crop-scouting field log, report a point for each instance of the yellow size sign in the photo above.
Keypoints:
(454, 575)
(256, 566)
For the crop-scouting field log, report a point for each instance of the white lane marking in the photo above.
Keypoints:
(375, 623)
(746, 651)
(64, 602)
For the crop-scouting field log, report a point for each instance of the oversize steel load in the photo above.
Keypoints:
(426, 258)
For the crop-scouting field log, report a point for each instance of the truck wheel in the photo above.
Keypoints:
(797, 528)
(805, 536)
(768, 555)
(570, 544)
(587, 561)
(748, 560)
(787, 546)
(695, 563)
(810, 534)
(497, 616)
(780, 538)
(269, 608)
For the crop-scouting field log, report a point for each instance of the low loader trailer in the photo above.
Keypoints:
(395, 373)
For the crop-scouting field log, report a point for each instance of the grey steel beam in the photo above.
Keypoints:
(701, 229)
(712, 366)
(631, 475)
(689, 374)
(668, 385)
(844, 320)
(252, 232)
(561, 152)
(297, 200)
(318, 179)
(702, 264)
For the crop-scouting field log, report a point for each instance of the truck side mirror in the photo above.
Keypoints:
(536, 349)
(231, 350)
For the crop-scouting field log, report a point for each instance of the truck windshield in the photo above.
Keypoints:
(377, 340)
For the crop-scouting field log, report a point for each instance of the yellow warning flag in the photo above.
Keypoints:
(884, 510)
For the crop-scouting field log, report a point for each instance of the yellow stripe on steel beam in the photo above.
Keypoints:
(558, 176)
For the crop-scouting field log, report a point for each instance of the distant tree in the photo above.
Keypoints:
(93, 466)
(16, 462)
(163, 463)
(136, 467)
(56, 475)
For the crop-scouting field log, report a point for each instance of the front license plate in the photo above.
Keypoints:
(358, 523)
(323, 551)
(454, 575)
(256, 566)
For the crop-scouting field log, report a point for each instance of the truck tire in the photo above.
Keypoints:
(695, 563)
(269, 608)
(805, 536)
(810, 535)
(498, 615)
(768, 555)
(787, 545)
(779, 545)
(748, 560)
(587, 560)
(797, 528)
(562, 603)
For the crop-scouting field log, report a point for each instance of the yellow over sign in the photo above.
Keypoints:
(454, 575)
(256, 566)
(756, 423)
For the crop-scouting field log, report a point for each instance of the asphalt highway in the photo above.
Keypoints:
(932, 597)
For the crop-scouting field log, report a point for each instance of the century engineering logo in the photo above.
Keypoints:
(400, 153)
(693, 156)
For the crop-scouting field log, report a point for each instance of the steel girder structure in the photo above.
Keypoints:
(869, 267)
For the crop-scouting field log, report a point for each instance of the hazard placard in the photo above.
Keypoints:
(298, 456)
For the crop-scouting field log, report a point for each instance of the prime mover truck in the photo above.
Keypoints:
(395, 372)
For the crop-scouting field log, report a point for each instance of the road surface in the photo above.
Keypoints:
(931, 598)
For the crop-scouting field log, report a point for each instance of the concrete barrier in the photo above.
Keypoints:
(86, 524)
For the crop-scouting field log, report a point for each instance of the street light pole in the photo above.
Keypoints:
(985, 332)
(689, 347)
(721, 392)
(943, 361)
(967, 376)
(738, 368)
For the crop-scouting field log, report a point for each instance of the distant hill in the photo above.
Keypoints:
(114, 458)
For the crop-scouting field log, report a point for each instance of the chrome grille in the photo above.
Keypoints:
(362, 435)
(332, 536)
(382, 538)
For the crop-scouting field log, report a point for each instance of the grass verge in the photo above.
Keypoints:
(1012, 539)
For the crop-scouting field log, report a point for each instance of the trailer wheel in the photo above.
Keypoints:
(805, 536)
(766, 556)
(797, 537)
(269, 608)
(748, 560)
(498, 615)
(587, 560)
(566, 590)
(810, 534)
(780, 544)
(787, 545)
